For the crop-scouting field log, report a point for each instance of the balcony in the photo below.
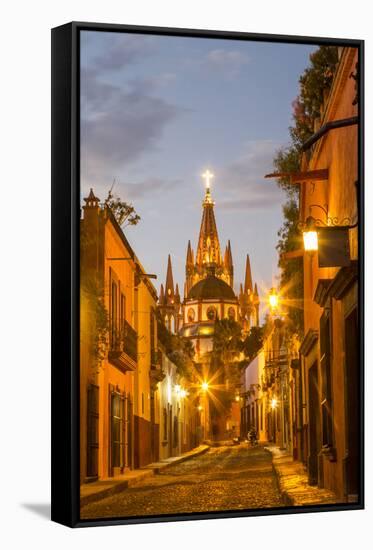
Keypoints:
(123, 347)
(156, 372)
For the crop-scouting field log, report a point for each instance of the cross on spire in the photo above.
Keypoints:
(207, 176)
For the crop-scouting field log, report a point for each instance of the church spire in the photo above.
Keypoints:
(189, 258)
(208, 251)
(169, 280)
(229, 255)
(248, 286)
(161, 295)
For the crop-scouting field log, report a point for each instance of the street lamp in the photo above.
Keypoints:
(274, 403)
(205, 386)
(273, 299)
(310, 239)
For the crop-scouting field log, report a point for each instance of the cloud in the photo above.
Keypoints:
(122, 50)
(148, 188)
(229, 61)
(244, 181)
(119, 125)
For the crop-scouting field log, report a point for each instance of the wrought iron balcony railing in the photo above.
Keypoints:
(124, 339)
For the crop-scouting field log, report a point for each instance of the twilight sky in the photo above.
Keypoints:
(157, 111)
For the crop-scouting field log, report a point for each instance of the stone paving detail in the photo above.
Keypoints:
(224, 478)
(293, 484)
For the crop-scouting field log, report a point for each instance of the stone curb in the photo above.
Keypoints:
(293, 486)
(178, 460)
(119, 486)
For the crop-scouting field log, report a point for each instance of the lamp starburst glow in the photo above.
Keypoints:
(273, 299)
(310, 239)
(274, 403)
(205, 386)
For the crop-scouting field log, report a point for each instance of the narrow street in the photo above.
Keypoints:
(224, 478)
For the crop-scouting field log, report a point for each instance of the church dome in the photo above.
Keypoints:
(211, 288)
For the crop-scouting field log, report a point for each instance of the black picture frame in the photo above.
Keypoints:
(65, 268)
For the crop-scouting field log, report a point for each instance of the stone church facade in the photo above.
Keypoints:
(209, 292)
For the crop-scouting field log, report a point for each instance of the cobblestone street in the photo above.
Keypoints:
(225, 478)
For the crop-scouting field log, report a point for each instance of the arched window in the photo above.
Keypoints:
(211, 313)
(191, 315)
(231, 314)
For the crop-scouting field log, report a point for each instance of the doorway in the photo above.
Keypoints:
(352, 405)
(314, 425)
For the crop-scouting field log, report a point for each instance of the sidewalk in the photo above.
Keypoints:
(97, 490)
(292, 480)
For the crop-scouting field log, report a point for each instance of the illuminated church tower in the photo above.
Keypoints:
(208, 254)
(208, 290)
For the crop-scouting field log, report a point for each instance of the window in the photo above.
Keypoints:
(122, 311)
(92, 430)
(117, 409)
(325, 367)
(191, 315)
(231, 313)
(176, 431)
(165, 423)
(211, 313)
(261, 416)
(113, 312)
(152, 331)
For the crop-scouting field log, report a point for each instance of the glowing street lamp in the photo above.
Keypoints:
(310, 240)
(274, 403)
(205, 386)
(273, 299)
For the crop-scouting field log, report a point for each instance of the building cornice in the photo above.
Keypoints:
(343, 281)
(309, 341)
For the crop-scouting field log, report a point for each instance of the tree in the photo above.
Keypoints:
(227, 343)
(123, 212)
(315, 83)
(178, 349)
(253, 343)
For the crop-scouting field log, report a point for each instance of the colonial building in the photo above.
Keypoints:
(108, 347)
(209, 287)
(329, 352)
(209, 295)
(135, 408)
(118, 370)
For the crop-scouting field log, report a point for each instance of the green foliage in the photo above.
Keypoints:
(178, 349)
(227, 342)
(317, 78)
(253, 342)
(99, 319)
(315, 83)
(287, 160)
(123, 212)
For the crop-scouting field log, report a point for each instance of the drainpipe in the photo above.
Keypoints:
(333, 125)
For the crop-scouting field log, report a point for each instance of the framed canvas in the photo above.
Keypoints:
(207, 275)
